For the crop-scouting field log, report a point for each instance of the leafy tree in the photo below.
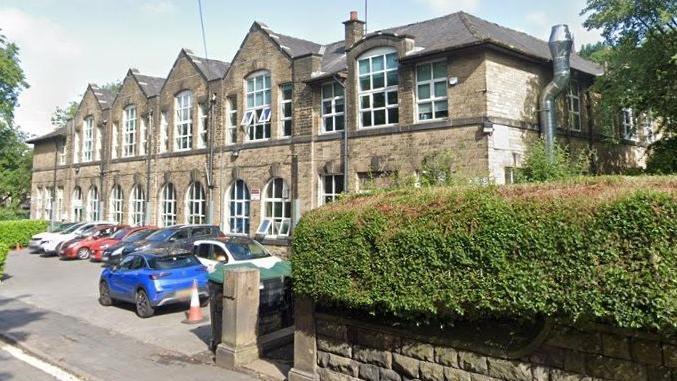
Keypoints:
(63, 114)
(12, 79)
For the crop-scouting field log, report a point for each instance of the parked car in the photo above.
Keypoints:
(233, 250)
(179, 237)
(35, 244)
(80, 247)
(51, 245)
(129, 234)
(150, 280)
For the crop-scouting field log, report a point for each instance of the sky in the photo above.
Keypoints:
(66, 44)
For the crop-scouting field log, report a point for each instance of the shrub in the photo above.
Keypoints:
(537, 167)
(19, 232)
(4, 250)
(662, 158)
(602, 249)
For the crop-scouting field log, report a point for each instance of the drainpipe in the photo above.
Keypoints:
(345, 140)
(210, 159)
(560, 48)
(146, 211)
(53, 191)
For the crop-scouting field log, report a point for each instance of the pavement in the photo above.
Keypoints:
(13, 369)
(49, 308)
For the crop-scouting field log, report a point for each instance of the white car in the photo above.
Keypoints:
(233, 250)
(51, 244)
(35, 244)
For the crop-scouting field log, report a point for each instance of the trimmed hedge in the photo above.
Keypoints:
(600, 250)
(17, 232)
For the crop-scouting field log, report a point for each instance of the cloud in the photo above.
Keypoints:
(446, 6)
(49, 56)
(157, 7)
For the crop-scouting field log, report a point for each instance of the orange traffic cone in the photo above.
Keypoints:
(194, 314)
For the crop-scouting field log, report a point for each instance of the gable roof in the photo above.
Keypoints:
(105, 97)
(293, 46)
(57, 133)
(210, 68)
(149, 85)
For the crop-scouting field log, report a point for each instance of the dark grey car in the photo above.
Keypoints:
(179, 237)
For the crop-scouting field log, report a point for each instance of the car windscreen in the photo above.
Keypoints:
(169, 262)
(161, 235)
(138, 235)
(120, 234)
(71, 229)
(246, 250)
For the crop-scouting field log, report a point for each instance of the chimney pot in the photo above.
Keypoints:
(353, 15)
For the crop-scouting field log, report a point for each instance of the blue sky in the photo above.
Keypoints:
(66, 44)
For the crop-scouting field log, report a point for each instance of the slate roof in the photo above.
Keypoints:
(151, 85)
(104, 96)
(448, 32)
(59, 132)
(212, 69)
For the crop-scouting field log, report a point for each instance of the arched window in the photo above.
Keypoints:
(378, 80)
(183, 121)
(115, 206)
(136, 206)
(93, 204)
(239, 201)
(168, 205)
(48, 203)
(258, 112)
(276, 220)
(76, 204)
(196, 204)
(129, 140)
(59, 204)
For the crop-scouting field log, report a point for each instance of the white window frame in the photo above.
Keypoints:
(280, 225)
(143, 134)
(387, 88)
(88, 139)
(238, 208)
(330, 195)
(196, 204)
(76, 204)
(164, 133)
(183, 121)
(59, 204)
(114, 141)
(137, 201)
(647, 127)
(330, 103)
(258, 113)
(93, 204)
(48, 203)
(628, 125)
(76, 147)
(574, 99)
(62, 153)
(116, 201)
(167, 205)
(283, 103)
(433, 99)
(231, 136)
(203, 114)
(97, 143)
(129, 137)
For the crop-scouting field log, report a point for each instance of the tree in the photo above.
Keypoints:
(63, 114)
(12, 80)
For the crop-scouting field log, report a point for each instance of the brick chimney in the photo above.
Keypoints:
(354, 29)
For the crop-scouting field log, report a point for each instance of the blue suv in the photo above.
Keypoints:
(151, 280)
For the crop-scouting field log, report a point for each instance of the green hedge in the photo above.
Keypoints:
(602, 250)
(17, 232)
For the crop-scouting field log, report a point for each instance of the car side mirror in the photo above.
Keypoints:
(115, 268)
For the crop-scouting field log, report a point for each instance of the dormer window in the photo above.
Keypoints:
(183, 121)
(258, 113)
(378, 81)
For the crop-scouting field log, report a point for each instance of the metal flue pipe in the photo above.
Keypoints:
(560, 44)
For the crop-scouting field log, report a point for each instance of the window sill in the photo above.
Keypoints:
(376, 127)
(428, 121)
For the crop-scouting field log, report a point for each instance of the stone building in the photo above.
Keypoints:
(289, 124)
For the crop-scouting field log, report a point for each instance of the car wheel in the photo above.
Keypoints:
(143, 306)
(84, 253)
(104, 294)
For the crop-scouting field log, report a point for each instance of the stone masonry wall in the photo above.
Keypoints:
(348, 350)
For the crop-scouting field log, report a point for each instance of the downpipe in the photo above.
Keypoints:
(560, 44)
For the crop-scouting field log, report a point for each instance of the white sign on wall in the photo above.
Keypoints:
(256, 194)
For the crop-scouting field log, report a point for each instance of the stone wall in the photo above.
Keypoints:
(351, 350)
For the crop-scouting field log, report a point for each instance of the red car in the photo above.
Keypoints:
(80, 247)
(97, 247)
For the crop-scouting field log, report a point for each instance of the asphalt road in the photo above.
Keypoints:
(49, 308)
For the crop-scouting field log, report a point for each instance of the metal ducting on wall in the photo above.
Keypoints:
(560, 44)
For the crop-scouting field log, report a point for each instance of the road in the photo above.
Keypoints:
(14, 369)
(49, 307)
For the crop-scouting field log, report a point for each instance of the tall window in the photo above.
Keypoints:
(88, 139)
(183, 131)
(143, 146)
(62, 153)
(48, 203)
(93, 204)
(114, 141)
(647, 127)
(168, 205)
(285, 109)
(39, 203)
(164, 133)
(258, 112)
(76, 204)
(231, 138)
(333, 107)
(378, 88)
(129, 145)
(136, 206)
(627, 124)
(332, 186)
(276, 219)
(203, 114)
(238, 208)
(196, 205)
(431, 91)
(115, 206)
(574, 106)
(97, 144)
(76, 147)
(59, 204)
